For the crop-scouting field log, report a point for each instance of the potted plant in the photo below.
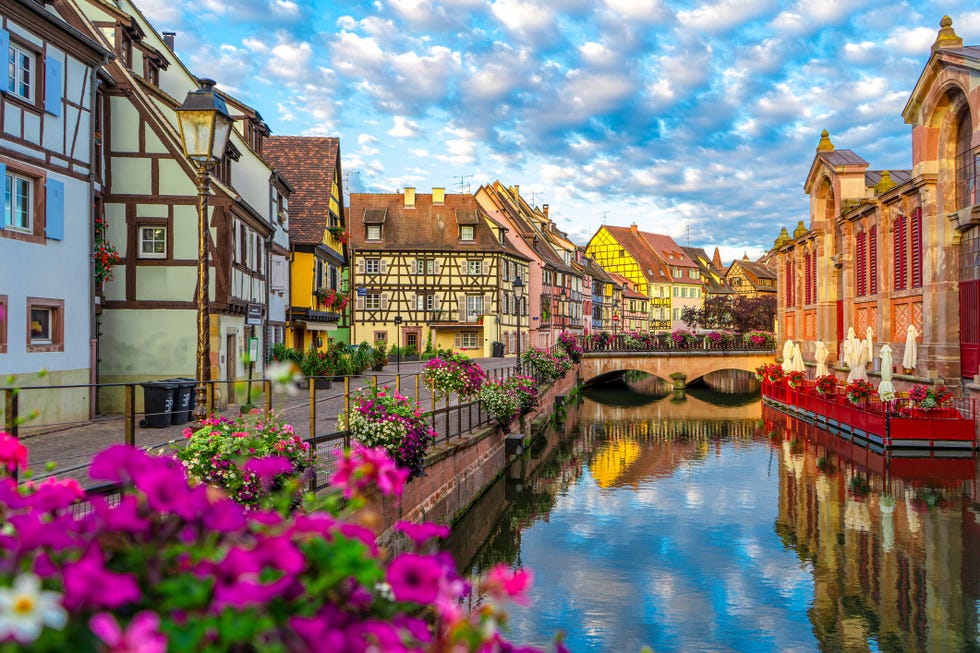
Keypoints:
(314, 364)
(858, 391)
(927, 398)
(501, 403)
(795, 379)
(379, 357)
(826, 384)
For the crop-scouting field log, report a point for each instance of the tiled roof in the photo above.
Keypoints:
(759, 270)
(872, 177)
(424, 227)
(709, 275)
(514, 206)
(841, 158)
(308, 163)
(650, 264)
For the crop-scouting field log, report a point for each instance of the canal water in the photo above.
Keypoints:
(708, 523)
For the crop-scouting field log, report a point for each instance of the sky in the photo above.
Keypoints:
(696, 120)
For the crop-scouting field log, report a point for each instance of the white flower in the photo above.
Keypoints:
(25, 609)
(284, 376)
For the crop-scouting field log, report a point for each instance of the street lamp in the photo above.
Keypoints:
(518, 295)
(204, 128)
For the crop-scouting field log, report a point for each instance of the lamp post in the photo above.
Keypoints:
(398, 326)
(518, 295)
(204, 128)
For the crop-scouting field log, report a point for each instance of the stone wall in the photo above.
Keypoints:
(458, 472)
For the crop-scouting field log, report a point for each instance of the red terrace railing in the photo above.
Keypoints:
(900, 422)
(666, 342)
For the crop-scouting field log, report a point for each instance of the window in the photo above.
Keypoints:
(45, 324)
(21, 73)
(3, 324)
(965, 161)
(374, 232)
(898, 253)
(474, 307)
(677, 291)
(677, 273)
(474, 267)
(677, 313)
(915, 247)
(18, 203)
(468, 339)
(505, 273)
(693, 273)
(372, 266)
(372, 301)
(381, 336)
(412, 340)
(425, 266)
(466, 232)
(153, 242)
(425, 302)
(873, 260)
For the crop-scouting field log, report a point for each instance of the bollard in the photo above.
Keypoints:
(130, 426)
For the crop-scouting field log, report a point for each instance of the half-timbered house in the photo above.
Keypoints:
(47, 110)
(319, 310)
(148, 196)
(430, 271)
(751, 278)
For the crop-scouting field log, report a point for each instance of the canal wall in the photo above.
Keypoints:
(458, 472)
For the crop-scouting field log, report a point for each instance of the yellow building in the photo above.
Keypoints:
(319, 292)
(434, 271)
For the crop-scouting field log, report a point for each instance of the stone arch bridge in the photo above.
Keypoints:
(679, 367)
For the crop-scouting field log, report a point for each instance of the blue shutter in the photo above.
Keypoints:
(4, 54)
(3, 192)
(54, 209)
(52, 85)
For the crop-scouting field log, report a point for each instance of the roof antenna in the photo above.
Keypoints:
(604, 216)
(688, 235)
(462, 178)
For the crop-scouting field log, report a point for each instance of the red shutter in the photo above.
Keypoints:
(873, 260)
(899, 252)
(860, 274)
(915, 254)
(808, 280)
(813, 264)
(789, 283)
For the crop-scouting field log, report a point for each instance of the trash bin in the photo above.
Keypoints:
(497, 349)
(183, 400)
(158, 404)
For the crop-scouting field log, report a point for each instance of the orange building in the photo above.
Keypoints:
(887, 249)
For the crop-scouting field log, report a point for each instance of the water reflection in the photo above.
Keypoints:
(690, 526)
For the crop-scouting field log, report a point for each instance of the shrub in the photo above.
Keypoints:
(173, 566)
(929, 397)
(383, 417)
(568, 341)
(280, 352)
(826, 384)
(314, 363)
(769, 373)
(220, 454)
(526, 390)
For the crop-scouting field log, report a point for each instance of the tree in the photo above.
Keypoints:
(754, 313)
(714, 313)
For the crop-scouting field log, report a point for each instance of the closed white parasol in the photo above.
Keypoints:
(787, 356)
(820, 355)
(885, 389)
(911, 356)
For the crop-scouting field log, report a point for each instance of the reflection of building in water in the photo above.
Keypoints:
(894, 553)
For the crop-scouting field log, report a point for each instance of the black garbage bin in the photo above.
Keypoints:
(158, 404)
(497, 349)
(183, 400)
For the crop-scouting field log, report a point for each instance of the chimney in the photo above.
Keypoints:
(516, 190)
(634, 228)
(168, 38)
(544, 209)
(409, 197)
(438, 196)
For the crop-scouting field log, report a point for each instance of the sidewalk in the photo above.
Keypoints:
(71, 449)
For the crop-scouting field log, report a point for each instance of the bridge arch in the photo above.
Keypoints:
(681, 368)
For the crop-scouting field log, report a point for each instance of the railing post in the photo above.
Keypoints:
(11, 411)
(448, 431)
(374, 381)
(417, 379)
(130, 408)
(267, 389)
(209, 398)
(312, 387)
(347, 411)
(398, 383)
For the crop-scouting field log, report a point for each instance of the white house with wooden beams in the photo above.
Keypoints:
(148, 197)
(46, 145)
(438, 263)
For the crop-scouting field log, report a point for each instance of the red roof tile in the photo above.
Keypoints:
(309, 164)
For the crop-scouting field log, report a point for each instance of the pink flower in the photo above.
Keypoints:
(415, 578)
(421, 533)
(13, 454)
(88, 583)
(141, 636)
(501, 582)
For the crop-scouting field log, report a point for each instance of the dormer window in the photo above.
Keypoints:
(466, 232)
(125, 50)
(374, 232)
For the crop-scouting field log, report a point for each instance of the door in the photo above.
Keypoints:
(970, 303)
(231, 365)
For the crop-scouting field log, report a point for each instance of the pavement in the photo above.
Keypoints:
(67, 451)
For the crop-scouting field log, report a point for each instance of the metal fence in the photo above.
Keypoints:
(669, 343)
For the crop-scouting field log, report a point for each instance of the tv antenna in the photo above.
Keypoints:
(604, 213)
(462, 178)
(347, 181)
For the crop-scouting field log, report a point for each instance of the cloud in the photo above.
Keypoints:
(403, 128)
(522, 18)
(720, 17)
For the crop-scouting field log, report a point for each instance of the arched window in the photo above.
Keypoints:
(966, 168)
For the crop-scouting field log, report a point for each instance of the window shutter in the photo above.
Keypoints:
(384, 301)
(4, 49)
(899, 252)
(873, 260)
(360, 267)
(488, 303)
(435, 266)
(54, 209)
(383, 266)
(462, 309)
(3, 168)
(458, 340)
(360, 303)
(915, 235)
(52, 85)
(414, 262)
(806, 280)
(413, 301)
(859, 270)
(435, 302)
